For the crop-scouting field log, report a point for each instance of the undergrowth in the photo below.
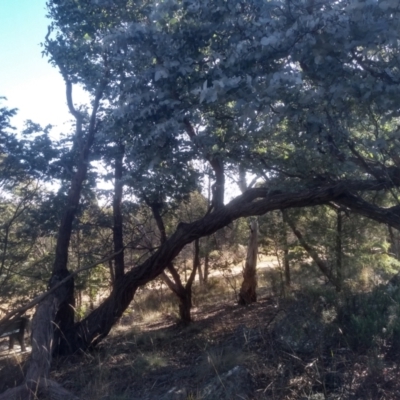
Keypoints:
(354, 351)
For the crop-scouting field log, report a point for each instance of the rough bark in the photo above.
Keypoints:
(248, 294)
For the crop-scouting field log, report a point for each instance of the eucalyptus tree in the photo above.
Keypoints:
(304, 94)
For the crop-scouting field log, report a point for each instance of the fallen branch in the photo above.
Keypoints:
(38, 299)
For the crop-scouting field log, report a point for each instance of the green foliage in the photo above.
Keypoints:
(24, 258)
(258, 81)
(365, 243)
(370, 319)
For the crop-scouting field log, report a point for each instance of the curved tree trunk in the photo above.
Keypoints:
(248, 294)
(258, 201)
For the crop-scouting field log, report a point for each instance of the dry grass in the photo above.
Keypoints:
(147, 353)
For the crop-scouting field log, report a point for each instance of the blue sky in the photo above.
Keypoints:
(28, 81)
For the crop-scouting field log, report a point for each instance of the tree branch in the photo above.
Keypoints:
(38, 299)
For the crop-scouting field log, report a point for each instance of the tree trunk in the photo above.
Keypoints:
(286, 263)
(185, 307)
(247, 294)
(339, 266)
(206, 261)
(118, 239)
(97, 325)
(206, 268)
(394, 243)
(218, 188)
(201, 276)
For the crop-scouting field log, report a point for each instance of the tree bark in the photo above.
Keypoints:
(248, 294)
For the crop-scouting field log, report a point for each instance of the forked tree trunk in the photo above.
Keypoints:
(248, 294)
(184, 293)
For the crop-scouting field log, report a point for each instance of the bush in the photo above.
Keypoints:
(370, 319)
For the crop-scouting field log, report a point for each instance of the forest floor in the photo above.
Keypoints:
(282, 347)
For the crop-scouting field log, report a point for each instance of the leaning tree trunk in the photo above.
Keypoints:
(257, 201)
(248, 294)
